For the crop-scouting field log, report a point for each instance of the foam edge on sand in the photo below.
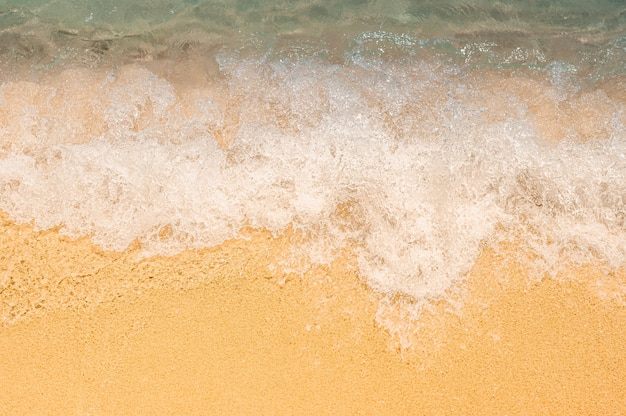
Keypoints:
(85, 331)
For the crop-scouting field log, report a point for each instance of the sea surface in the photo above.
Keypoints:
(412, 133)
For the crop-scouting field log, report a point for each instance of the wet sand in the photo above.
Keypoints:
(216, 331)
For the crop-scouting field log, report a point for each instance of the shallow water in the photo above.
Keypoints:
(414, 133)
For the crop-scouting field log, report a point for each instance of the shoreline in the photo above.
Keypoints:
(216, 331)
(84, 330)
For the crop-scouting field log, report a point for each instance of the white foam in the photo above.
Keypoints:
(402, 159)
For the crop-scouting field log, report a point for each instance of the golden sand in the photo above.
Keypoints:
(87, 332)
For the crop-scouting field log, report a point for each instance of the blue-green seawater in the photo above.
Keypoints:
(484, 33)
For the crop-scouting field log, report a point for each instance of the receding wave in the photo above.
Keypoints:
(414, 164)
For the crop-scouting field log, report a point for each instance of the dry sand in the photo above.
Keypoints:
(87, 332)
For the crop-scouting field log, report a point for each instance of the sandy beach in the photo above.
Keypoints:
(312, 208)
(216, 331)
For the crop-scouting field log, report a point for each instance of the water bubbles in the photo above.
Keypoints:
(415, 166)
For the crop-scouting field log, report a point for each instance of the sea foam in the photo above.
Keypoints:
(415, 166)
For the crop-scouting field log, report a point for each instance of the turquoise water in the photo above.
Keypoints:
(484, 33)
(416, 132)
